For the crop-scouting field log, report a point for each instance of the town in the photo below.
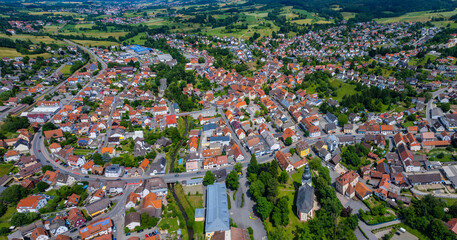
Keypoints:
(345, 131)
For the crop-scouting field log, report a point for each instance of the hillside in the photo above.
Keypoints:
(369, 8)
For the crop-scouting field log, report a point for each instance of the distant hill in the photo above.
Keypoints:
(370, 8)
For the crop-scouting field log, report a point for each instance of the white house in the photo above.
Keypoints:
(31, 204)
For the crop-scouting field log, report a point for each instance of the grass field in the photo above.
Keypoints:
(81, 151)
(5, 219)
(416, 17)
(11, 53)
(54, 13)
(66, 69)
(96, 34)
(5, 168)
(342, 89)
(35, 39)
(95, 43)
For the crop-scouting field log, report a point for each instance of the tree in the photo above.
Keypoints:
(264, 208)
(42, 186)
(232, 180)
(48, 126)
(253, 165)
(343, 119)
(445, 107)
(288, 141)
(97, 157)
(247, 100)
(27, 100)
(106, 157)
(46, 168)
(201, 60)
(238, 167)
(272, 189)
(209, 178)
(283, 177)
(292, 151)
(13, 194)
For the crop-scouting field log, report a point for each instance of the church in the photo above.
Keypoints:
(305, 197)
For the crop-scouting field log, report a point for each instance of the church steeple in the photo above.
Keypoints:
(306, 178)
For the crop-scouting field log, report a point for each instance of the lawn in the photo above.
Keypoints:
(342, 89)
(12, 53)
(54, 13)
(96, 43)
(5, 168)
(5, 219)
(66, 69)
(35, 39)
(82, 151)
(441, 155)
(190, 203)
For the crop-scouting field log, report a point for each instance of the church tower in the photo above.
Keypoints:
(306, 177)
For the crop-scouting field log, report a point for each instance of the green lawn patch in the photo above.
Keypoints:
(342, 89)
(5, 219)
(5, 168)
(82, 151)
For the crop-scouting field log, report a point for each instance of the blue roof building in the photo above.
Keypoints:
(217, 214)
(209, 127)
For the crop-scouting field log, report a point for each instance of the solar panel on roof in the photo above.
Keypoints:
(84, 230)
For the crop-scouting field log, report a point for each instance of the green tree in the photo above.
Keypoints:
(343, 119)
(209, 178)
(292, 151)
(41, 186)
(27, 100)
(283, 177)
(201, 60)
(46, 168)
(48, 126)
(253, 165)
(257, 189)
(264, 208)
(238, 167)
(13, 194)
(232, 180)
(288, 141)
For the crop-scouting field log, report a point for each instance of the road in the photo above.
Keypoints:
(430, 104)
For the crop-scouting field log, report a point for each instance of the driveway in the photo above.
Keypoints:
(244, 217)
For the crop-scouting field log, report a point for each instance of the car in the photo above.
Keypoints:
(114, 228)
(86, 176)
(118, 179)
(39, 150)
(150, 234)
(176, 175)
(56, 160)
(121, 193)
(127, 234)
(73, 230)
(146, 235)
(38, 160)
(199, 172)
(140, 231)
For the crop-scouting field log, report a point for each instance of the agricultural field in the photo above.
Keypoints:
(96, 43)
(35, 39)
(54, 13)
(417, 17)
(11, 53)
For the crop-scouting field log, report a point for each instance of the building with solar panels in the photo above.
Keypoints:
(217, 214)
(102, 227)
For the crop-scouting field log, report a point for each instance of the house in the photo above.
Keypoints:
(72, 200)
(283, 161)
(193, 144)
(98, 228)
(58, 227)
(21, 146)
(156, 185)
(132, 220)
(289, 133)
(348, 128)
(158, 167)
(346, 179)
(98, 207)
(76, 161)
(113, 171)
(191, 166)
(132, 199)
(330, 118)
(31, 204)
(217, 214)
(39, 234)
(171, 121)
(97, 195)
(11, 155)
(76, 217)
(302, 148)
(114, 187)
(362, 191)
(57, 134)
(152, 205)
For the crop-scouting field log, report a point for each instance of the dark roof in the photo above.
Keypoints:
(424, 178)
(305, 198)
